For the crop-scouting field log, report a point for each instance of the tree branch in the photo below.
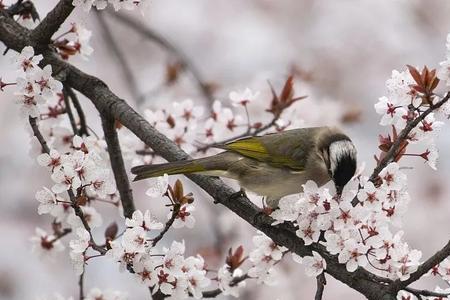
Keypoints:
(175, 211)
(83, 130)
(217, 292)
(321, 282)
(69, 112)
(118, 166)
(426, 293)
(51, 23)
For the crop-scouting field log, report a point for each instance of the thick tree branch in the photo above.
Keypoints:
(51, 23)
(117, 165)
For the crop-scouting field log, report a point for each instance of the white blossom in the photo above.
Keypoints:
(184, 217)
(47, 201)
(26, 60)
(159, 188)
(314, 265)
(45, 245)
(80, 245)
(242, 97)
(145, 221)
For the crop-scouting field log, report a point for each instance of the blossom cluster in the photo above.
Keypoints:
(410, 94)
(360, 234)
(35, 86)
(74, 41)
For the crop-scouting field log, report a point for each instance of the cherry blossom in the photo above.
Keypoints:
(184, 217)
(45, 245)
(243, 97)
(159, 188)
(26, 60)
(314, 265)
(52, 160)
(47, 84)
(146, 270)
(134, 240)
(145, 221)
(47, 201)
(393, 178)
(80, 245)
(353, 255)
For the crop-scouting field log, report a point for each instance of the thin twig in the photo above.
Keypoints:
(118, 166)
(321, 282)
(184, 61)
(81, 285)
(37, 133)
(128, 75)
(235, 281)
(175, 211)
(83, 130)
(426, 293)
(69, 112)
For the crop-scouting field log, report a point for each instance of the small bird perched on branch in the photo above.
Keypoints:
(273, 165)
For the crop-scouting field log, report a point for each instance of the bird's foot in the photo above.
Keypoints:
(237, 195)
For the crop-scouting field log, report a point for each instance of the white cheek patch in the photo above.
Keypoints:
(338, 150)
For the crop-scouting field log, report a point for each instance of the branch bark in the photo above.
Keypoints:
(118, 166)
(83, 130)
(51, 23)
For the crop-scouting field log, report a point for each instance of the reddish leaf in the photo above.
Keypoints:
(415, 74)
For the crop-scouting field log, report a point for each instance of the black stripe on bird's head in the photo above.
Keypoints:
(342, 162)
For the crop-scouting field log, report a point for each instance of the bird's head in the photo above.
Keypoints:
(339, 154)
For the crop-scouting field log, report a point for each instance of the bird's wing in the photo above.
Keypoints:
(288, 149)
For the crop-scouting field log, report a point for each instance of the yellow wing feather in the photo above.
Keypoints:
(253, 147)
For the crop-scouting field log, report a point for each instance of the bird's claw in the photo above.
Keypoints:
(237, 195)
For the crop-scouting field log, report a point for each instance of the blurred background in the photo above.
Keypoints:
(341, 53)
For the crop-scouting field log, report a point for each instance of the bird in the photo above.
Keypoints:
(273, 165)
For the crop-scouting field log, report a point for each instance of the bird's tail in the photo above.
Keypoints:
(172, 168)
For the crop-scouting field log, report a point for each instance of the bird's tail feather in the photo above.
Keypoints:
(172, 168)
